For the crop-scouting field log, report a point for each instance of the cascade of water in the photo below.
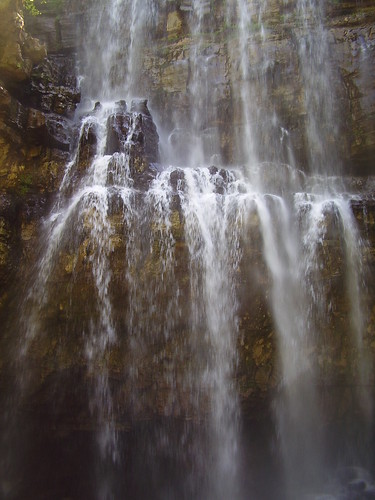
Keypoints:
(123, 27)
(294, 241)
(212, 210)
(246, 140)
(356, 284)
(198, 87)
(156, 247)
(195, 139)
(297, 409)
(212, 233)
(177, 329)
(79, 223)
(319, 83)
(257, 131)
(299, 301)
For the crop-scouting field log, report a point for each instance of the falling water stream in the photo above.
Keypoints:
(204, 214)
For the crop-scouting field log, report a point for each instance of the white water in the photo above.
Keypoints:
(248, 19)
(110, 62)
(294, 234)
(323, 119)
(195, 378)
(195, 139)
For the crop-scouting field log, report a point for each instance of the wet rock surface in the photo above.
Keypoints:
(72, 301)
(167, 77)
(148, 375)
(132, 133)
(54, 86)
(38, 97)
(36, 133)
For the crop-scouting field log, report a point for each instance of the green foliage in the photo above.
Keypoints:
(37, 7)
(31, 8)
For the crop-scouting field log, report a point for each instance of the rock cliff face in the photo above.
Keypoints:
(38, 99)
(167, 78)
(39, 95)
(39, 131)
(277, 82)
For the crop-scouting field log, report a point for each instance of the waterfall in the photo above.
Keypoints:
(213, 240)
(249, 23)
(153, 259)
(194, 139)
(323, 133)
(294, 232)
(104, 75)
(260, 135)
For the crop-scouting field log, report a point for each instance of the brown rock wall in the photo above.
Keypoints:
(279, 91)
(19, 51)
(32, 165)
(37, 98)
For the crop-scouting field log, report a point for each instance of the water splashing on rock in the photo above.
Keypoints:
(156, 259)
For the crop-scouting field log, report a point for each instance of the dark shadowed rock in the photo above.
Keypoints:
(59, 131)
(177, 179)
(54, 86)
(118, 126)
(134, 133)
(140, 106)
(87, 146)
(145, 134)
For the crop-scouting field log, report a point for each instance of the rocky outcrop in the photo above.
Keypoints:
(58, 24)
(38, 96)
(19, 51)
(38, 93)
(132, 132)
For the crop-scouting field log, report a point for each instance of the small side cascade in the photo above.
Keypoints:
(195, 138)
(103, 77)
(321, 103)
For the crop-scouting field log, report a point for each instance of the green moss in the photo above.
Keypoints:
(25, 184)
